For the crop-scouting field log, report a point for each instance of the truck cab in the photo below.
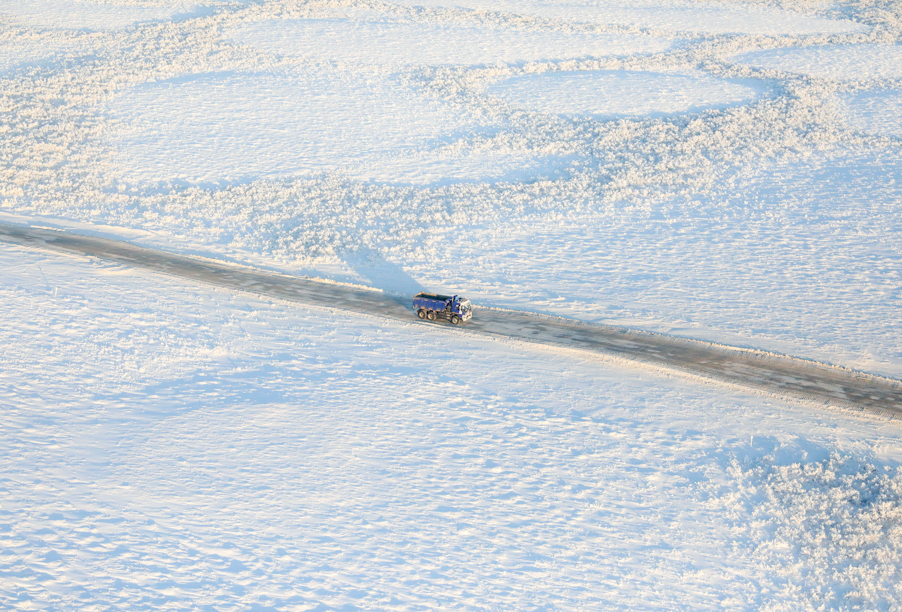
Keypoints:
(432, 306)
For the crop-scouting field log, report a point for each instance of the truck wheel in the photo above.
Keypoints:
(421, 313)
(455, 319)
(430, 315)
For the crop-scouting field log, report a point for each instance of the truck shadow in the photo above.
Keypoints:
(383, 274)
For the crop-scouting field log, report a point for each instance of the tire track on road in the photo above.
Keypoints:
(778, 374)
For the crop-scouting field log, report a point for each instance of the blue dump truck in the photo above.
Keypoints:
(431, 306)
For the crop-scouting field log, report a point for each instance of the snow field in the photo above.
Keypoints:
(209, 449)
(620, 93)
(876, 112)
(363, 42)
(240, 127)
(83, 14)
(710, 18)
(18, 54)
(168, 446)
(366, 125)
(246, 126)
(840, 62)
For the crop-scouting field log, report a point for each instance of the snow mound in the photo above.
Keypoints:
(417, 43)
(620, 93)
(236, 127)
(843, 62)
(878, 112)
(75, 14)
(671, 17)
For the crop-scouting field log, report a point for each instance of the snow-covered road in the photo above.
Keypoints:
(779, 374)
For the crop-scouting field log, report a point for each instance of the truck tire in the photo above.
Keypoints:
(430, 314)
(455, 319)
(421, 313)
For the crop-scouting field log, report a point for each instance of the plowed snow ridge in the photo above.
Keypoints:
(783, 375)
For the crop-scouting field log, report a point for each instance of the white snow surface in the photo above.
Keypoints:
(168, 446)
(714, 18)
(246, 126)
(844, 62)
(878, 112)
(18, 54)
(83, 14)
(620, 93)
(364, 42)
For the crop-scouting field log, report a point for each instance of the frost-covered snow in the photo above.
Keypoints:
(365, 42)
(620, 93)
(167, 446)
(84, 14)
(833, 62)
(711, 18)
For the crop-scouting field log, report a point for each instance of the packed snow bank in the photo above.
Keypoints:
(620, 93)
(167, 446)
(669, 16)
(844, 62)
(83, 14)
(876, 112)
(431, 43)
(237, 127)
